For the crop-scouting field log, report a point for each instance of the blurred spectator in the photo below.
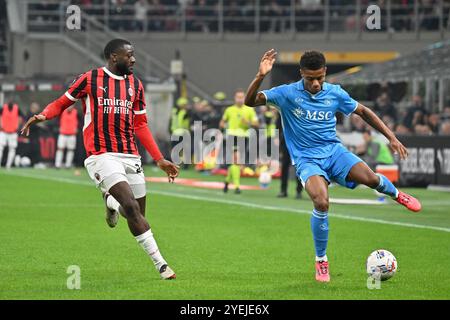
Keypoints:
(422, 129)
(201, 16)
(155, 20)
(445, 114)
(310, 13)
(445, 128)
(383, 106)
(140, 14)
(433, 122)
(401, 129)
(414, 111)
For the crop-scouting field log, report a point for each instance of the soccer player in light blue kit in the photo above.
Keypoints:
(308, 109)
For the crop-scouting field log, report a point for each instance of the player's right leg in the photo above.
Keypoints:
(317, 188)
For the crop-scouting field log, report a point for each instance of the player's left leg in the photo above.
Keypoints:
(136, 178)
(362, 174)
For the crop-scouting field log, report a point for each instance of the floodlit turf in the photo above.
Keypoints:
(248, 246)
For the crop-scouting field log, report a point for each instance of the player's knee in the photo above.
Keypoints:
(131, 208)
(321, 203)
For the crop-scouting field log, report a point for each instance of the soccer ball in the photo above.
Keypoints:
(264, 179)
(381, 265)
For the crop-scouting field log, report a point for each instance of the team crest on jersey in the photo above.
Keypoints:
(327, 102)
(130, 92)
(298, 100)
(298, 112)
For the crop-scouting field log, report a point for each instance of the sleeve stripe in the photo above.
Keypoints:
(265, 95)
(68, 95)
(140, 111)
(76, 90)
(353, 109)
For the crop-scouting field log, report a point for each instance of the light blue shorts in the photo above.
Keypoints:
(334, 168)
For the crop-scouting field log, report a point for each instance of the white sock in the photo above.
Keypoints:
(69, 158)
(149, 245)
(11, 155)
(112, 203)
(58, 158)
(324, 258)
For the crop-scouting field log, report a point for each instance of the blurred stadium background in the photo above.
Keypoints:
(205, 49)
(201, 51)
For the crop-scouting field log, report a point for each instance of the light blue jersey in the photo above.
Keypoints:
(309, 121)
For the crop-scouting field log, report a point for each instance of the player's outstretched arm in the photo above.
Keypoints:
(54, 109)
(252, 98)
(169, 168)
(34, 119)
(145, 136)
(372, 119)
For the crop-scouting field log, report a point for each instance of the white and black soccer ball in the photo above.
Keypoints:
(265, 178)
(381, 265)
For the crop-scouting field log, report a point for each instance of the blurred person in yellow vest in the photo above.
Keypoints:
(237, 119)
(180, 125)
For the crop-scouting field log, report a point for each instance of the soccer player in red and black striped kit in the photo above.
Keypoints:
(114, 112)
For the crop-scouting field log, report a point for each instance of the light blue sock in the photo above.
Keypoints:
(319, 228)
(386, 187)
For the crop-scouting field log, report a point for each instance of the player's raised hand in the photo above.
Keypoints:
(170, 168)
(399, 148)
(267, 61)
(34, 119)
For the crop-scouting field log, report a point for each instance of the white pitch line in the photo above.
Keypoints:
(245, 204)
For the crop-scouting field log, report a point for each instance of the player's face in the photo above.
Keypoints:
(124, 59)
(239, 98)
(313, 79)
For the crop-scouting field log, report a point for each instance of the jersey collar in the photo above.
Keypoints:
(301, 87)
(112, 75)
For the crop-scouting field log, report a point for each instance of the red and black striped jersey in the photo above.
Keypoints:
(110, 103)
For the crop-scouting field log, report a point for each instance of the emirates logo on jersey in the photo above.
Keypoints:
(113, 105)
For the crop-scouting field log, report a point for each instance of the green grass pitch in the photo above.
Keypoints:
(248, 246)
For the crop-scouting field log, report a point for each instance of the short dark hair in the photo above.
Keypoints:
(112, 46)
(312, 60)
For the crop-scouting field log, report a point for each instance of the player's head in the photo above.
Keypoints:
(120, 55)
(313, 70)
(239, 97)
